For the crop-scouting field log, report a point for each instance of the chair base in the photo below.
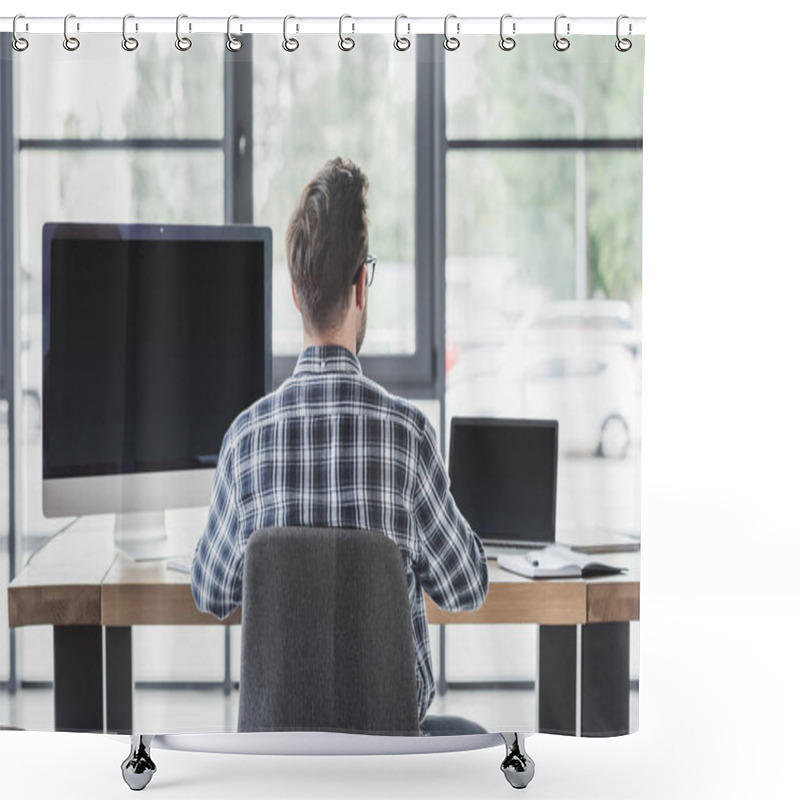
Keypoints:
(321, 743)
(517, 766)
(139, 768)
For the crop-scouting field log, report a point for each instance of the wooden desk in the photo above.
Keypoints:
(92, 595)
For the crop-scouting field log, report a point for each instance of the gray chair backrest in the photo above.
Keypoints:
(326, 634)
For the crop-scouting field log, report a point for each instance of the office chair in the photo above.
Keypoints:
(326, 634)
(327, 645)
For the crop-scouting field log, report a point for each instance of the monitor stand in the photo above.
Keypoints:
(142, 536)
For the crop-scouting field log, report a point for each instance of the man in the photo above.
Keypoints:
(331, 448)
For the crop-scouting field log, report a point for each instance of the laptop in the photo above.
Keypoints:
(503, 479)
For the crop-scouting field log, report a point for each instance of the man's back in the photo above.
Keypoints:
(331, 448)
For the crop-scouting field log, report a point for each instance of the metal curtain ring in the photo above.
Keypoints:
(507, 42)
(561, 43)
(233, 44)
(129, 43)
(20, 43)
(70, 42)
(401, 43)
(345, 42)
(289, 44)
(183, 43)
(451, 42)
(623, 45)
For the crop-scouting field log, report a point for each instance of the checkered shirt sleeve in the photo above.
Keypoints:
(219, 557)
(452, 565)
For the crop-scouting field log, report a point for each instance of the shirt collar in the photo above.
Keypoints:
(325, 359)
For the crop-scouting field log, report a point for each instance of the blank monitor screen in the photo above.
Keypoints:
(503, 477)
(155, 338)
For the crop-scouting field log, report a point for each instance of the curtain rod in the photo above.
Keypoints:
(349, 25)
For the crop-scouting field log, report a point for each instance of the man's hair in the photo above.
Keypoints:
(326, 242)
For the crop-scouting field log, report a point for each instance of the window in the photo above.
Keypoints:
(102, 92)
(303, 114)
(159, 128)
(534, 93)
(154, 136)
(543, 264)
(105, 136)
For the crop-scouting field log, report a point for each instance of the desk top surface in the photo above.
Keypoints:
(79, 578)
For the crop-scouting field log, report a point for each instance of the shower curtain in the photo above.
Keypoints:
(505, 217)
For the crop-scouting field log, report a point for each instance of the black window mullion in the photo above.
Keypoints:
(417, 375)
(238, 141)
(121, 144)
(238, 148)
(545, 144)
(8, 388)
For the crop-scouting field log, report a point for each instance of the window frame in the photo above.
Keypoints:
(10, 150)
(419, 375)
(413, 375)
(8, 387)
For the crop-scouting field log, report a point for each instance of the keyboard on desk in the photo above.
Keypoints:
(182, 563)
(520, 548)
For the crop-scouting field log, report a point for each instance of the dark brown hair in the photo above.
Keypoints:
(327, 241)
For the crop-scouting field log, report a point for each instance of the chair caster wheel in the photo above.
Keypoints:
(138, 768)
(517, 766)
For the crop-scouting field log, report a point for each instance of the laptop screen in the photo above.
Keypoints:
(503, 477)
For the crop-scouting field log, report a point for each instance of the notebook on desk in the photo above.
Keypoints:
(503, 478)
(556, 562)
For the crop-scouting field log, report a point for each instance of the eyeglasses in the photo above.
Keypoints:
(369, 265)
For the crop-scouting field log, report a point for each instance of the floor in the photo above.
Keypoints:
(179, 711)
(167, 654)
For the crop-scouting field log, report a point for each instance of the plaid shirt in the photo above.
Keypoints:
(331, 448)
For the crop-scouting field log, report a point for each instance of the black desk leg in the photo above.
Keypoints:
(557, 696)
(119, 681)
(604, 678)
(78, 671)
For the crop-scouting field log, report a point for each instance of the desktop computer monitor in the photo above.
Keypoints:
(154, 338)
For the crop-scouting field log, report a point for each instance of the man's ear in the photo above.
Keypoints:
(294, 297)
(361, 289)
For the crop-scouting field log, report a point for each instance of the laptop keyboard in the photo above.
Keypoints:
(494, 550)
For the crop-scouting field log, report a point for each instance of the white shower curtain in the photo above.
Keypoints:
(505, 213)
